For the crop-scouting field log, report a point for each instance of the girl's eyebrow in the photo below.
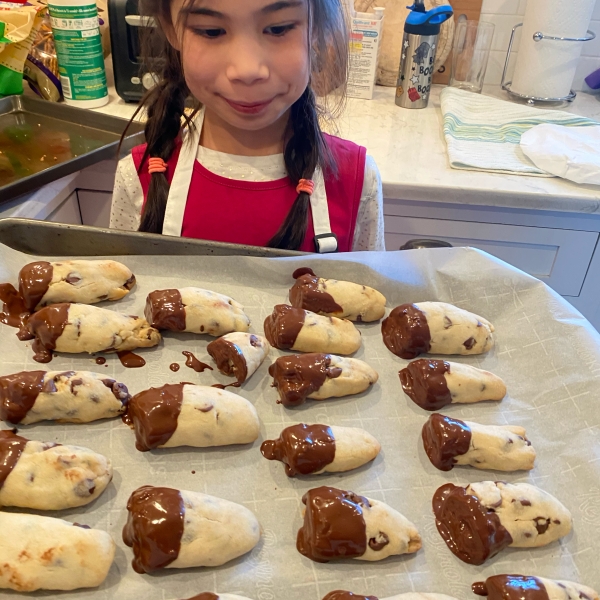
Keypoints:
(271, 8)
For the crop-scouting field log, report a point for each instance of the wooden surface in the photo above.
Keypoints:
(472, 11)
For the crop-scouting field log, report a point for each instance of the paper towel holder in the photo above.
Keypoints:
(538, 37)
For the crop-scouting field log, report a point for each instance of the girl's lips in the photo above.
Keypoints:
(248, 108)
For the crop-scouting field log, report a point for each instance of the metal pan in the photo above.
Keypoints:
(59, 239)
(94, 137)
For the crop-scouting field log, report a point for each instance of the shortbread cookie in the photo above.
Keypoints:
(481, 519)
(433, 384)
(190, 415)
(66, 396)
(43, 553)
(340, 524)
(450, 442)
(306, 449)
(84, 281)
(319, 376)
(195, 310)
(334, 298)
(49, 476)
(289, 328)
(75, 328)
(239, 354)
(211, 596)
(176, 529)
(435, 328)
(523, 587)
(343, 595)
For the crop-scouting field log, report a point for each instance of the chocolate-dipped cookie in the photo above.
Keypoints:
(527, 587)
(239, 354)
(343, 595)
(436, 328)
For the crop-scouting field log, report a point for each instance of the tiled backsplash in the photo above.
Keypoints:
(505, 14)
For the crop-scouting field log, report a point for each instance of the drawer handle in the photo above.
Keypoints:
(420, 244)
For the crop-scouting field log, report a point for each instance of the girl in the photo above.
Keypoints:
(250, 165)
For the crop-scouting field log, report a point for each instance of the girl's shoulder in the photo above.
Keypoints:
(338, 144)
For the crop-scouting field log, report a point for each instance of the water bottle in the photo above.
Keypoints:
(419, 46)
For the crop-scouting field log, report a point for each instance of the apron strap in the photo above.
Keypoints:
(325, 240)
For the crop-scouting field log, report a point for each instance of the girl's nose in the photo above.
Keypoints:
(247, 64)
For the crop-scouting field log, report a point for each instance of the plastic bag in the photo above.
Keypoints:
(572, 153)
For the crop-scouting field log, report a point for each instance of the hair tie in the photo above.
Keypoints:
(305, 185)
(156, 165)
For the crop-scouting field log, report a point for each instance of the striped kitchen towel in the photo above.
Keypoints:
(483, 133)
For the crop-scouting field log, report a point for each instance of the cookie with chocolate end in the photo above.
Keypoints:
(316, 449)
(342, 299)
(528, 587)
(340, 524)
(450, 442)
(289, 328)
(84, 281)
(49, 476)
(480, 520)
(343, 595)
(195, 310)
(64, 396)
(239, 354)
(75, 328)
(319, 376)
(190, 415)
(433, 384)
(177, 529)
(435, 328)
(44, 553)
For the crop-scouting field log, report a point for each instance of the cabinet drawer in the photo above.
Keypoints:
(560, 257)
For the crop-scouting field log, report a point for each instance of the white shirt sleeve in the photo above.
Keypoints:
(369, 230)
(128, 197)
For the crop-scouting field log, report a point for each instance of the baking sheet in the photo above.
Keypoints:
(547, 353)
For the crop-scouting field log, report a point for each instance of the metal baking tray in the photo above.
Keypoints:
(59, 239)
(92, 137)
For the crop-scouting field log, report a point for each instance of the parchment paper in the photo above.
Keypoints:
(547, 353)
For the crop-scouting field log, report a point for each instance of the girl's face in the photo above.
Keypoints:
(247, 61)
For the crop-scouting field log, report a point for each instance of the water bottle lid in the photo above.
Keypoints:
(422, 22)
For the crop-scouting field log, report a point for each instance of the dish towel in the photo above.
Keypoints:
(483, 133)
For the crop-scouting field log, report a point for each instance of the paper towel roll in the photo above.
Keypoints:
(547, 68)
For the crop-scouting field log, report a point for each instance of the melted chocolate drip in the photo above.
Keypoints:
(100, 360)
(222, 386)
(305, 293)
(165, 310)
(444, 439)
(47, 326)
(302, 271)
(229, 358)
(298, 376)
(153, 414)
(471, 531)
(14, 312)
(342, 595)
(205, 596)
(174, 367)
(511, 587)
(18, 394)
(11, 447)
(193, 363)
(34, 281)
(283, 326)
(303, 448)
(423, 381)
(154, 527)
(130, 360)
(334, 527)
(406, 332)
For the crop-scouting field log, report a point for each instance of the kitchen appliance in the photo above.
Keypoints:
(419, 46)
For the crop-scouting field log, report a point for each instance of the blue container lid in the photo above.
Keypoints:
(426, 22)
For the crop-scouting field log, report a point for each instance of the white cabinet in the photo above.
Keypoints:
(95, 207)
(67, 212)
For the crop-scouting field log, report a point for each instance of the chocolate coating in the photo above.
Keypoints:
(424, 382)
(511, 587)
(471, 531)
(34, 281)
(444, 439)
(302, 271)
(205, 596)
(303, 448)
(47, 325)
(283, 326)
(406, 332)
(154, 527)
(130, 360)
(334, 527)
(165, 310)
(18, 393)
(14, 312)
(11, 447)
(153, 414)
(342, 595)
(298, 376)
(119, 390)
(305, 293)
(229, 358)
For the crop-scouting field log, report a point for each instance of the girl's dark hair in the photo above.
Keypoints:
(305, 148)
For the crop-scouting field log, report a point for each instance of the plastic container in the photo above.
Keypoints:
(78, 43)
